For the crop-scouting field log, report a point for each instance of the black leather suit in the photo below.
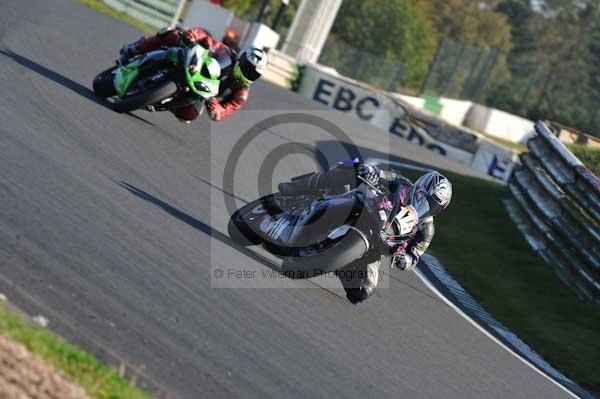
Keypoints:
(346, 174)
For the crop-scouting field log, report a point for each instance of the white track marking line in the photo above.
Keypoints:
(487, 333)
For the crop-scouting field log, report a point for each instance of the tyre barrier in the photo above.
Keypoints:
(556, 204)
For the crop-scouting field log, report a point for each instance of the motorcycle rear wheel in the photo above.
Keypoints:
(147, 97)
(303, 263)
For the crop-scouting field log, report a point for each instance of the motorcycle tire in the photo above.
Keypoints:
(103, 83)
(240, 232)
(148, 97)
(302, 264)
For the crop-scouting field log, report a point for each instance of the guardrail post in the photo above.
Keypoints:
(178, 12)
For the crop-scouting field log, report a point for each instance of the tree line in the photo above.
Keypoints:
(548, 51)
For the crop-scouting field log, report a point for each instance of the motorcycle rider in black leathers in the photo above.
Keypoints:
(416, 205)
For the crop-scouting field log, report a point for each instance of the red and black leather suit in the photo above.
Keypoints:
(232, 94)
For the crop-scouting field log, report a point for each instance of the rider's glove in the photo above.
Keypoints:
(405, 261)
(186, 38)
(215, 110)
(369, 173)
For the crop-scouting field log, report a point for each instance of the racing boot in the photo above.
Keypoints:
(300, 185)
(367, 286)
(130, 49)
(371, 279)
(311, 183)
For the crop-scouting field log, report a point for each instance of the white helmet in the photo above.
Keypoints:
(436, 189)
(250, 65)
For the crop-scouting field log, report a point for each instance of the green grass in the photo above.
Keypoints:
(479, 245)
(99, 381)
(588, 155)
(98, 5)
(519, 147)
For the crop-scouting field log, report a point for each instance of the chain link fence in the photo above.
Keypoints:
(457, 70)
(380, 72)
(460, 71)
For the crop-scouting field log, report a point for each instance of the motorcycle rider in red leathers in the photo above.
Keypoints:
(416, 205)
(240, 69)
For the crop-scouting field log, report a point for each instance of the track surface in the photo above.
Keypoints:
(106, 225)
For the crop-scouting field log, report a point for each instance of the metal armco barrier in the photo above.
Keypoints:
(157, 13)
(559, 210)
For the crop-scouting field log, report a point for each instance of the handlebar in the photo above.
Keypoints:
(371, 185)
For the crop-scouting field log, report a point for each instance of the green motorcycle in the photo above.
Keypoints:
(160, 80)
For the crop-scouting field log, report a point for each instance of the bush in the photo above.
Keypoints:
(588, 155)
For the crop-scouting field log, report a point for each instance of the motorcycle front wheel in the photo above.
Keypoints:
(239, 228)
(308, 262)
(151, 96)
(239, 231)
(103, 83)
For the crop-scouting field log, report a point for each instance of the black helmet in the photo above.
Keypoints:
(250, 65)
(430, 194)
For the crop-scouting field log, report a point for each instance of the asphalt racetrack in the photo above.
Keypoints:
(112, 227)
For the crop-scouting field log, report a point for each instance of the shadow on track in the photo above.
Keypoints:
(63, 81)
(199, 225)
(208, 230)
(223, 191)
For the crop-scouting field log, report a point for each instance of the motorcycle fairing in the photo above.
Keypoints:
(287, 230)
(204, 86)
(125, 75)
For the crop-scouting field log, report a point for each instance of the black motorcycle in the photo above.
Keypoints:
(322, 232)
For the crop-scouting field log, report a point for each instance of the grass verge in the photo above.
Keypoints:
(98, 5)
(519, 147)
(588, 155)
(480, 246)
(99, 381)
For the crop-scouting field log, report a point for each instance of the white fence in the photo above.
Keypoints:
(157, 13)
(498, 123)
(557, 206)
(282, 69)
